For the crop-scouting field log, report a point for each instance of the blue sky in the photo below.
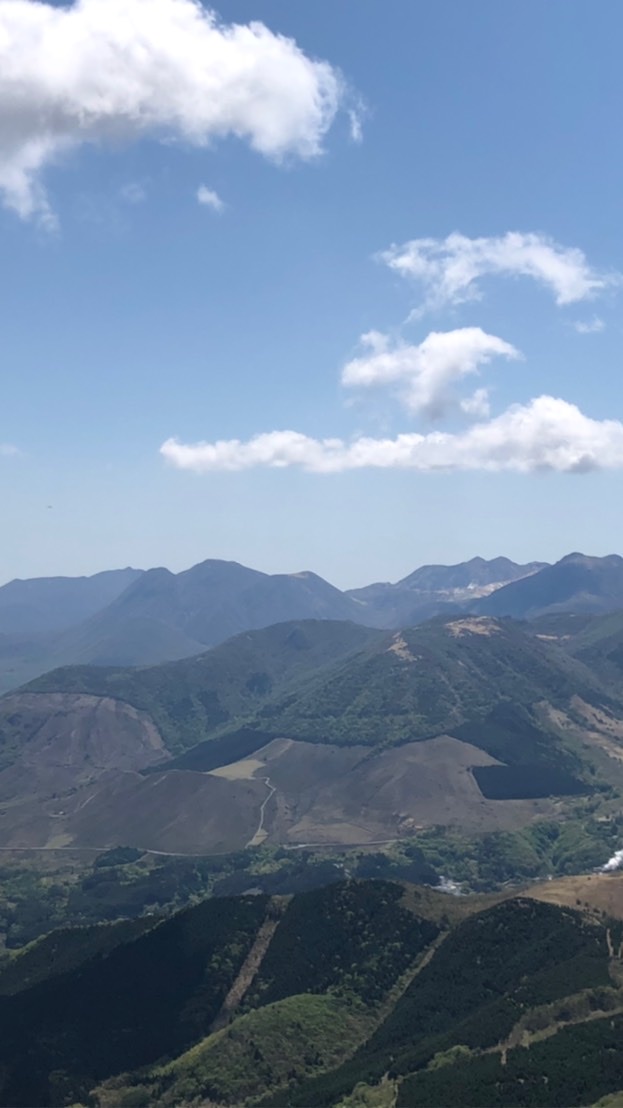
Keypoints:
(134, 316)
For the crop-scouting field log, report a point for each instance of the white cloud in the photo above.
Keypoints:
(119, 70)
(210, 198)
(477, 404)
(8, 450)
(426, 372)
(545, 434)
(590, 326)
(448, 269)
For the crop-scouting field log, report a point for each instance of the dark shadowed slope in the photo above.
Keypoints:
(298, 1001)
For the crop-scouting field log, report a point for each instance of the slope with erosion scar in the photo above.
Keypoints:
(395, 735)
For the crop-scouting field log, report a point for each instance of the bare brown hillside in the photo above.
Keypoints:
(601, 892)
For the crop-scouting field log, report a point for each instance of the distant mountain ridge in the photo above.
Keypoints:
(52, 604)
(133, 617)
(436, 589)
(577, 583)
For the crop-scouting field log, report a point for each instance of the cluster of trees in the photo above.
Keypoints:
(577, 1066)
(153, 995)
(484, 975)
(351, 938)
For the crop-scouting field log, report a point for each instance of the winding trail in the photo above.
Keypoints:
(260, 833)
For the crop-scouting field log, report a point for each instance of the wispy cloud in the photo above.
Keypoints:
(210, 198)
(590, 326)
(545, 434)
(122, 70)
(133, 193)
(425, 373)
(449, 269)
(8, 450)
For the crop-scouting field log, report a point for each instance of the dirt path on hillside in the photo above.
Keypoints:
(260, 834)
(252, 962)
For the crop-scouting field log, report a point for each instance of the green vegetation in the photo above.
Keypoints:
(487, 973)
(354, 938)
(282, 1043)
(69, 893)
(571, 1068)
(32, 902)
(526, 782)
(200, 696)
(360, 1000)
(371, 1096)
(339, 683)
(118, 856)
(479, 687)
(548, 848)
(149, 997)
(63, 950)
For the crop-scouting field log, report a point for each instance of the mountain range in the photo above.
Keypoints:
(256, 765)
(314, 732)
(132, 617)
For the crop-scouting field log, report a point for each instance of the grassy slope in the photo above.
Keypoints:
(193, 698)
(267, 1048)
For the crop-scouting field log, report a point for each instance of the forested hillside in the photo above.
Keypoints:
(313, 999)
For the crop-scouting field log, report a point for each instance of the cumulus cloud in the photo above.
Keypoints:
(545, 434)
(477, 404)
(119, 70)
(426, 372)
(449, 269)
(210, 198)
(590, 326)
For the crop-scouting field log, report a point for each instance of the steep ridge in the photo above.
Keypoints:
(576, 583)
(358, 986)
